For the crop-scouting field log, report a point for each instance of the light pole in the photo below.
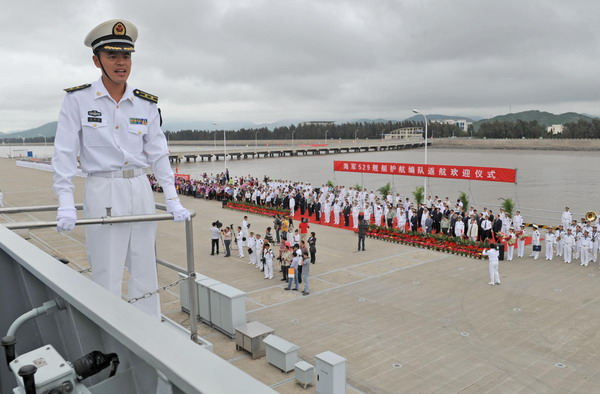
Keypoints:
(225, 149)
(326, 136)
(215, 135)
(416, 111)
(293, 131)
(23, 138)
(255, 140)
(355, 131)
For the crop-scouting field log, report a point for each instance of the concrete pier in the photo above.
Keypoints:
(407, 320)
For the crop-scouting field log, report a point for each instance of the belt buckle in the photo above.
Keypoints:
(128, 173)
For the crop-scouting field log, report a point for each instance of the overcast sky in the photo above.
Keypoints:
(268, 60)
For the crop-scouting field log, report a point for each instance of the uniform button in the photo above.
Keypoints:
(98, 93)
(139, 132)
(117, 107)
(117, 126)
(94, 125)
(126, 162)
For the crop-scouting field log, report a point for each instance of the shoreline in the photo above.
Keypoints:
(516, 144)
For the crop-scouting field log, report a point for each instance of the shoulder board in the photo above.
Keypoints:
(146, 96)
(76, 88)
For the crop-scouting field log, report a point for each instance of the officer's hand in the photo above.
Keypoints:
(66, 216)
(179, 212)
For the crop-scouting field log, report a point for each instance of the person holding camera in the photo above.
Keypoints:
(226, 233)
(492, 255)
(215, 234)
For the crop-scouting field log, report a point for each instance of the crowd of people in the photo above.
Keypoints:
(292, 249)
(350, 206)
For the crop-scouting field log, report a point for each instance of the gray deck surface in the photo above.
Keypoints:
(406, 319)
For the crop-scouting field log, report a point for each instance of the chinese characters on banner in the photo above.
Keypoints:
(490, 174)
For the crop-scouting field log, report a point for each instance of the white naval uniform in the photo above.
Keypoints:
(492, 255)
(586, 250)
(566, 219)
(550, 241)
(568, 245)
(535, 241)
(115, 140)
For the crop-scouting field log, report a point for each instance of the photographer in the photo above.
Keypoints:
(277, 227)
(492, 254)
(215, 234)
(226, 233)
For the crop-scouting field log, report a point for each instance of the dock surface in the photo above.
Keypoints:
(407, 320)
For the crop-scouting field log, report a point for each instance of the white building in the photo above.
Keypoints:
(462, 124)
(405, 133)
(555, 129)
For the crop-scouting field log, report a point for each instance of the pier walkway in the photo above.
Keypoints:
(250, 152)
(407, 320)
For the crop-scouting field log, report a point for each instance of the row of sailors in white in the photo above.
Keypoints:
(574, 243)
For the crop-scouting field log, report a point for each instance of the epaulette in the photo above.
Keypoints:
(146, 96)
(76, 88)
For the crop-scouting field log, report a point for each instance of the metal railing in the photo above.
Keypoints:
(189, 243)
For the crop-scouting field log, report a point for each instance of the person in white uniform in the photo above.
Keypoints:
(521, 235)
(568, 245)
(115, 130)
(586, 249)
(566, 218)
(536, 246)
(492, 255)
(550, 241)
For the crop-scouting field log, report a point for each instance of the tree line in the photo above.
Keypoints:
(374, 130)
(533, 129)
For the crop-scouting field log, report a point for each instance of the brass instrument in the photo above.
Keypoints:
(591, 216)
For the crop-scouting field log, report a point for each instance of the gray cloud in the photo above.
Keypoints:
(264, 60)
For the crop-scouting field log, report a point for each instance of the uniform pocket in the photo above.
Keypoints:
(135, 137)
(95, 133)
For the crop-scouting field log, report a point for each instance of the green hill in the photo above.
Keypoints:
(543, 118)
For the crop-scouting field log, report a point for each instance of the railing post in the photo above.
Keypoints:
(192, 290)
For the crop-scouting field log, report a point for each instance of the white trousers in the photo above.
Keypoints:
(494, 275)
(549, 251)
(567, 253)
(511, 249)
(586, 256)
(269, 269)
(520, 248)
(112, 247)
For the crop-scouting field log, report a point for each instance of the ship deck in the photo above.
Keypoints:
(406, 319)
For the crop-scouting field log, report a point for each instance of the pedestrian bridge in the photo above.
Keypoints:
(245, 152)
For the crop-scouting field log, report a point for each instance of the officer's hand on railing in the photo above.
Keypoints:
(66, 217)
(179, 212)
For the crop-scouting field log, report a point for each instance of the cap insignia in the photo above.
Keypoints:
(119, 29)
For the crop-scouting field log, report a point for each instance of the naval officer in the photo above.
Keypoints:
(115, 130)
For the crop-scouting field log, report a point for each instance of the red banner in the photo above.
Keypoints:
(490, 174)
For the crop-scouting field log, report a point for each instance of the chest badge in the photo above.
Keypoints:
(141, 121)
(94, 113)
